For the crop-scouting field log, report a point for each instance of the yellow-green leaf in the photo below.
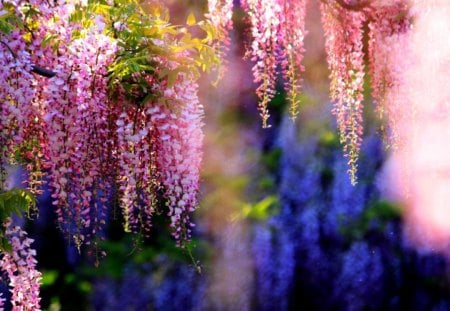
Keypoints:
(191, 19)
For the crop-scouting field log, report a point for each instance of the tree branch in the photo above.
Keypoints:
(353, 5)
(36, 69)
(42, 71)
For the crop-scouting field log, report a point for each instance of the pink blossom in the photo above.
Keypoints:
(277, 30)
(220, 16)
(178, 149)
(20, 267)
(344, 46)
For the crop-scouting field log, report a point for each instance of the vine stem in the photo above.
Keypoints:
(352, 6)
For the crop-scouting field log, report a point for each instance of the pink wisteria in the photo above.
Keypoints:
(94, 139)
(277, 30)
(178, 149)
(220, 17)
(344, 46)
(419, 113)
(161, 149)
(20, 267)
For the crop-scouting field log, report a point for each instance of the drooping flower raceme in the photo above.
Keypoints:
(344, 46)
(178, 149)
(220, 16)
(277, 31)
(75, 111)
(292, 33)
(102, 129)
(137, 175)
(388, 48)
(19, 115)
(20, 267)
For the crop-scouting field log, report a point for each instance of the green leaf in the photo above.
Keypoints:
(17, 201)
(172, 78)
(259, 211)
(49, 277)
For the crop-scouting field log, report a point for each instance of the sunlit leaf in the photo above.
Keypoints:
(191, 19)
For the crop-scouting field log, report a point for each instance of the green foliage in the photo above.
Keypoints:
(271, 159)
(259, 211)
(49, 277)
(8, 20)
(15, 201)
(148, 42)
(375, 217)
(129, 250)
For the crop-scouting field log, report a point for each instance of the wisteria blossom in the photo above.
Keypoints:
(220, 16)
(277, 33)
(292, 34)
(389, 27)
(178, 149)
(420, 117)
(96, 140)
(75, 110)
(20, 267)
(344, 46)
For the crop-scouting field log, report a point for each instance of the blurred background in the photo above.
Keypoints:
(279, 225)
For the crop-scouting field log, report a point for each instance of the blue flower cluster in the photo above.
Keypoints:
(335, 246)
(165, 286)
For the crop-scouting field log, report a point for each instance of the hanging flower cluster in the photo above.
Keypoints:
(278, 31)
(20, 267)
(102, 99)
(74, 110)
(344, 46)
(388, 47)
(292, 34)
(170, 164)
(178, 149)
(17, 112)
(220, 17)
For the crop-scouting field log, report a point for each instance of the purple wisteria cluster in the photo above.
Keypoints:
(334, 246)
(164, 286)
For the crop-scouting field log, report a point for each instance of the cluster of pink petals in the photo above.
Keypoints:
(265, 17)
(18, 112)
(344, 46)
(94, 147)
(136, 165)
(75, 111)
(220, 16)
(277, 31)
(291, 37)
(418, 114)
(389, 27)
(178, 150)
(161, 149)
(20, 267)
